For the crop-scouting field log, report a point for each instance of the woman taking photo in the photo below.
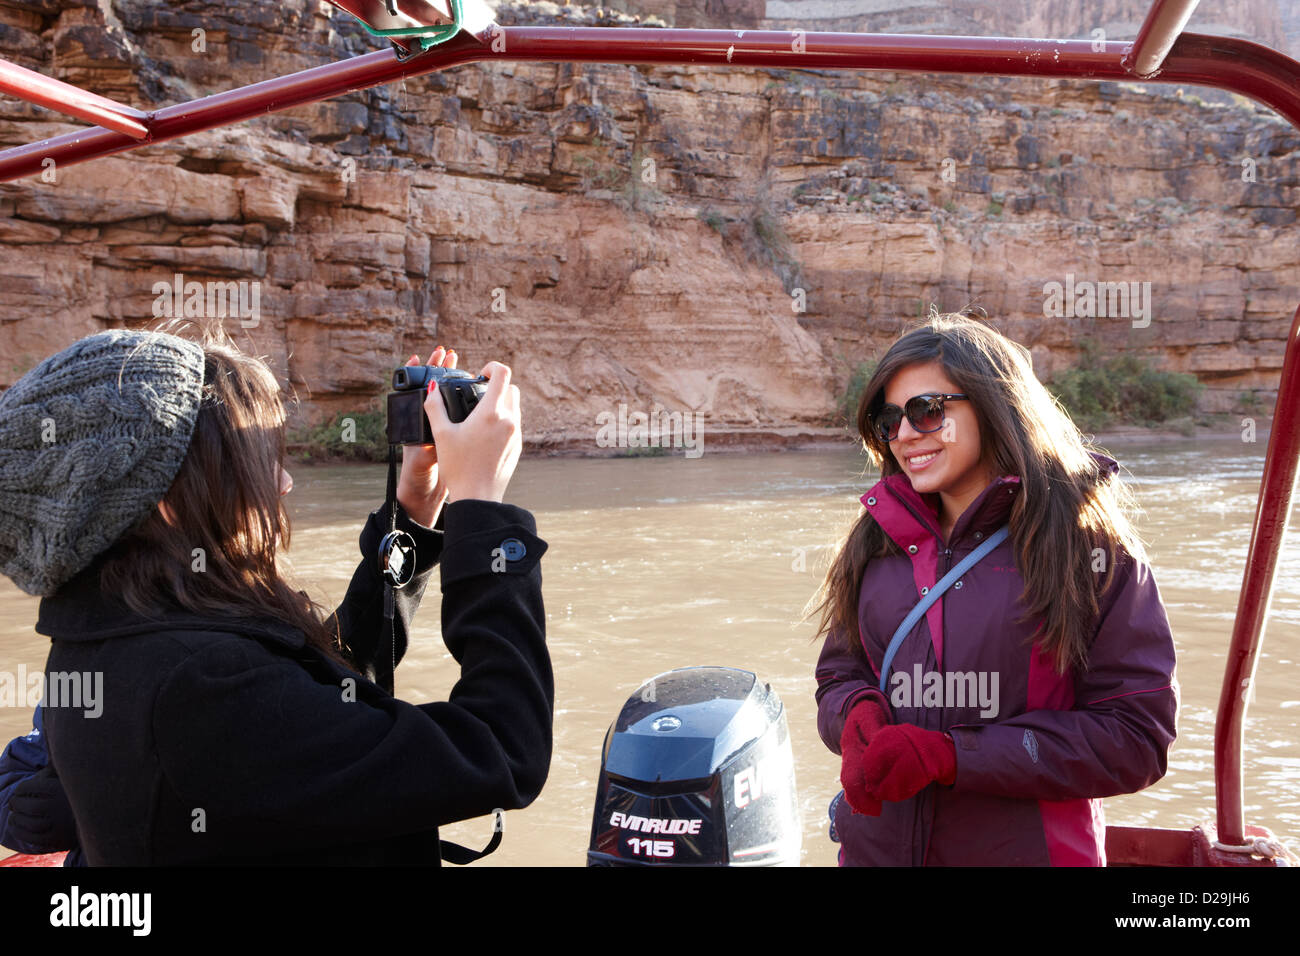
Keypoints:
(1042, 677)
(141, 496)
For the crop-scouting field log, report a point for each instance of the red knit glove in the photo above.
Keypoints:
(865, 720)
(903, 760)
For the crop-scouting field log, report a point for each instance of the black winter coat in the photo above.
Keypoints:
(234, 741)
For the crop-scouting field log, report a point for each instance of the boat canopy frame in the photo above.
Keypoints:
(1161, 53)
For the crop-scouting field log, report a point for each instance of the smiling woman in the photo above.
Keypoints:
(936, 443)
(978, 460)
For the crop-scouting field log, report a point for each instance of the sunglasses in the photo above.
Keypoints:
(924, 412)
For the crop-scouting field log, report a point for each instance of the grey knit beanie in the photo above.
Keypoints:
(90, 441)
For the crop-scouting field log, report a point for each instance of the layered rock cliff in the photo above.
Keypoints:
(1265, 22)
(725, 242)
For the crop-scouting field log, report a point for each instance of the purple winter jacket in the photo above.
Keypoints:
(1032, 758)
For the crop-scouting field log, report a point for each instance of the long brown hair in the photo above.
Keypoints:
(220, 558)
(1068, 507)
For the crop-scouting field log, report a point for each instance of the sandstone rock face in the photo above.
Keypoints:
(726, 242)
(1270, 23)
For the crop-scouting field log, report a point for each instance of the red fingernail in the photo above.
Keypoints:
(429, 389)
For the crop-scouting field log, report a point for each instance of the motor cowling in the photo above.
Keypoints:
(697, 770)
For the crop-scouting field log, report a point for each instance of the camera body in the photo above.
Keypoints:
(407, 422)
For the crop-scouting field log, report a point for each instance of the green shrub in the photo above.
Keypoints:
(1122, 390)
(713, 219)
(643, 451)
(1251, 403)
(766, 241)
(770, 233)
(329, 440)
(636, 192)
(851, 397)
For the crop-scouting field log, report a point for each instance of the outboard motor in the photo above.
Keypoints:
(698, 771)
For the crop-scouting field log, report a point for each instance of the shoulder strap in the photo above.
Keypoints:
(964, 565)
(459, 855)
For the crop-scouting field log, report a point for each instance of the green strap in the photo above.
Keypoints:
(427, 35)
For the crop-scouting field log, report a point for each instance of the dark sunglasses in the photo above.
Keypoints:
(925, 412)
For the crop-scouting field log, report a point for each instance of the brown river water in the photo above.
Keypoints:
(663, 562)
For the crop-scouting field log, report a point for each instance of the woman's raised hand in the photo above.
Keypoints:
(477, 457)
(420, 490)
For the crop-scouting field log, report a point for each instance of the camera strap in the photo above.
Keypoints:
(397, 567)
(397, 562)
(460, 855)
(966, 563)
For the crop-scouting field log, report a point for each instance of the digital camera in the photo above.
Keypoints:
(407, 422)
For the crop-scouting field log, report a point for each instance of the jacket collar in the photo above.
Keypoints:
(81, 611)
(911, 518)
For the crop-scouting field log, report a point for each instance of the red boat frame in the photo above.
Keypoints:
(1161, 53)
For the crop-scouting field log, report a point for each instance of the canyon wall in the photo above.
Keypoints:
(1266, 22)
(727, 242)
